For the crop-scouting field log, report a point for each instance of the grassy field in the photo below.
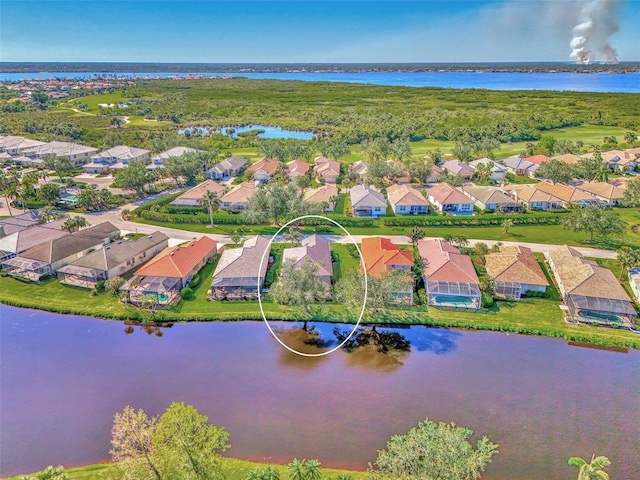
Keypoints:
(234, 469)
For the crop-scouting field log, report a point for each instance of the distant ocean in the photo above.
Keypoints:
(578, 82)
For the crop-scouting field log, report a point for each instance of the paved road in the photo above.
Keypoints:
(126, 226)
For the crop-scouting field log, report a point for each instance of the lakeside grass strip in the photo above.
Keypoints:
(529, 316)
(234, 469)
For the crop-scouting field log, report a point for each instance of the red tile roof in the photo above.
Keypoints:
(445, 263)
(380, 254)
(267, 164)
(537, 159)
(177, 262)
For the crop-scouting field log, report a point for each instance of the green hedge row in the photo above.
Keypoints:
(475, 221)
(188, 210)
(344, 221)
(200, 218)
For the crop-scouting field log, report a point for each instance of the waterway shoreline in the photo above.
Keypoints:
(582, 334)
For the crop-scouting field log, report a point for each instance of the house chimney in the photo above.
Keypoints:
(2, 232)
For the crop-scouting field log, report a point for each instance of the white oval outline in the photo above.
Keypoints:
(366, 289)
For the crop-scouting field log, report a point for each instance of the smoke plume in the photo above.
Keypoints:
(591, 35)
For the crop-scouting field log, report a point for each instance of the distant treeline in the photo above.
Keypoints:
(124, 67)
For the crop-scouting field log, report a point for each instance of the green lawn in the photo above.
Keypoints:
(234, 468)
(344, 260)
(93, 101)
(547, 234)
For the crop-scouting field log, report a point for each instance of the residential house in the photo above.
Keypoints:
(498, 171)
(237, 198)
(162, 277)
(611, 159)
(47, 257)
(604, 191)
(381, 255)
(367, 201)
(120, 156)
(533, 198)
(263, 170)
(436, 171)
(327, 193)
(406, 200)
(296, 168)
(20, 240)
(315, 249)
(19, 222)
(327, 169)
(519, 166)
(569, 158)
(359, 168)
(449, 199)
(456, 167)
(620, 160)
(77, 154)
(240, 270)
(491, 198)
(449, 277)
(227, 168)
(398, 168)
(191, 198)
(634, 281)
(515, 271)
(15, 146)
(591, 293)
(115, 259)
(158, 160)
(537, 159)
(568, 194)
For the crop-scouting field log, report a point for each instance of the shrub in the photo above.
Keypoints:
(475, 221)
(186, 293)
(487, 300)
(195, 281)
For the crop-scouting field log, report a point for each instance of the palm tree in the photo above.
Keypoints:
(292, 236)
(415, 234)
(212, 202)
(507, 224)
(268, 473)
(237, 236)
(592, 470)
(74, 224)
(297, 470)
(10, 193)
(333, 200)
(48, 212)
(628, 257)
(312, 470)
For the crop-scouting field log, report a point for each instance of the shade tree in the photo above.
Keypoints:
(434, 451)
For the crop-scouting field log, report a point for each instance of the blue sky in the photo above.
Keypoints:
(300, 31)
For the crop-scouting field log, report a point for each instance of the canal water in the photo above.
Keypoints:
(63, 378)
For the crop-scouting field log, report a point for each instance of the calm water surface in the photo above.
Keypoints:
(64, 377)
(581, 82)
